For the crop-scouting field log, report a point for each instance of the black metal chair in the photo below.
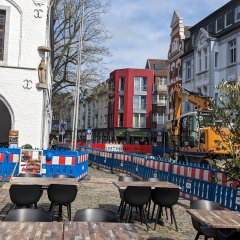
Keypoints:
(122, 206)
(63, 176)
(28, 215)
(28, 175)
(201, 230)
(95, 215)
(62, 195)
(227, 234)
(25, 195)
(137, 197)
(165, 197)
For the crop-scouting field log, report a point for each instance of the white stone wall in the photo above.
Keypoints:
(25, 33)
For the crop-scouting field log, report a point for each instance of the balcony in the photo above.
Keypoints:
(159, 88)
(160, 102)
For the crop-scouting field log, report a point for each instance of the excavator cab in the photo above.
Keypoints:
(189, 130)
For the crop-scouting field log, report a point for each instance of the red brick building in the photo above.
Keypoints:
(130, 111)
(178, 34)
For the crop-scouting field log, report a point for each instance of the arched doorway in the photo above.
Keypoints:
(5, 123)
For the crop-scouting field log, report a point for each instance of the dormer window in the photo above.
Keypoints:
(237, 13)
(219, 24)
(229, 16)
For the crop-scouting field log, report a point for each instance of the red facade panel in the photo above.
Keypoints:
(129, 75)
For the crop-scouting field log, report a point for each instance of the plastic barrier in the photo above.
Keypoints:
(61, 162)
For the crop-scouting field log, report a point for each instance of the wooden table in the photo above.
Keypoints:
(43, 181)
(216, 218)
(100, 230)
(161, 184)
(30, 230)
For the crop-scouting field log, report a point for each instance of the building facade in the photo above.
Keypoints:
(131, 109)
(159, 99)
(178, 33)
(25, 70)
(211, 52)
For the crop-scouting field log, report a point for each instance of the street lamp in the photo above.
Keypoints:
(77, 88)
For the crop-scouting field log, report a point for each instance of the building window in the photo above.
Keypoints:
(219, 24)
(105, 118)
(205, 59)
(139, 120)
(158, 67)
(140, 84)
(162, 81)
(188, 70)
(140, 103)
(121, 102)
(2, 32)
(179, 70)
(120, 120)
(229, 16)
(232, 51)
(216, 59)
(237, 13)
(121, 83)
(199, 61)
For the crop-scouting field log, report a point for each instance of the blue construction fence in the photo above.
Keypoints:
(54, 162)
(196, 181)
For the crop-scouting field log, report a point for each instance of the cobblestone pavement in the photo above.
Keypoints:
(97, 191)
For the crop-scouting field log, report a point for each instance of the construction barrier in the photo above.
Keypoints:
(53, 162)
(195, 181)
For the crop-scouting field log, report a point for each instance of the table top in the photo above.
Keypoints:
(43, 181)
(161, 184)
(216, 218)
(100, 230)
(31, 230)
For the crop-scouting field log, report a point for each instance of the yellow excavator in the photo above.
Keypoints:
(192, 135)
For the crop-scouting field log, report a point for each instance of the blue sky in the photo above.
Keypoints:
(140, 29)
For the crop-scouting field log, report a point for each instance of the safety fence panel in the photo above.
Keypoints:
(3, 160)
(12, 163)
(65, 162)
(53, 162)
(138, 165)
(157, 168)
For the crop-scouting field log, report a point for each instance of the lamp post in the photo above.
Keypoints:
(77, 90)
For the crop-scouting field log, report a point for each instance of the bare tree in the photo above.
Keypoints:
(67, 20)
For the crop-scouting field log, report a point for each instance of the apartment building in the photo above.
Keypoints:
(159, 99)
(212, 52)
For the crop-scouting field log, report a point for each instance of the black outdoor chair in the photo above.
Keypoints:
(228, 234)
(63, 176)
(165, 197)
(95, 215)
(137, 197)
(62, 195)
(25, 195)
(28, 215)
(28, 175)
(201, 230)
(122, 206)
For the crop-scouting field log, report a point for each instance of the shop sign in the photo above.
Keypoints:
(140, 134)
(13, 138)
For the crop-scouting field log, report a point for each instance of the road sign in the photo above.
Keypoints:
(89, 131)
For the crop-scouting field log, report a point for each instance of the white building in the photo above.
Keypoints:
(212, 53)
(24, 97)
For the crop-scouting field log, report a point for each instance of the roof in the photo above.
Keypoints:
(157, 72)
